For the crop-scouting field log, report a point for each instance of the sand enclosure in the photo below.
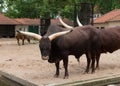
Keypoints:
(25, 62)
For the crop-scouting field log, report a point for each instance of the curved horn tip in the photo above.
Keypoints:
(64, 24)
(79, 23)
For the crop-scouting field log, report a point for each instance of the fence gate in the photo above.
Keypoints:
(34, 29)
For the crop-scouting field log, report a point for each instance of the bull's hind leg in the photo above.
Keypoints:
(28, 40)
(88, 56)
(65, 63)
(57, 69)
(93, 63)
(97, 61)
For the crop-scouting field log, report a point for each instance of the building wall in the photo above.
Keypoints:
(115, 23)
(101, 25)
(21, 27)
(108, 24)
(31, 28)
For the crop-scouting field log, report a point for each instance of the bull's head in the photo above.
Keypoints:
(45, 41)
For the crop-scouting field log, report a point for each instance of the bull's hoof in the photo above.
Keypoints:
(97, 68)
(93, 71)
(65, 77)
(86, 72)
(56, 76)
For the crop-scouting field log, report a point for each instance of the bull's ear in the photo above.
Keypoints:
(34, 35)
(55, 35)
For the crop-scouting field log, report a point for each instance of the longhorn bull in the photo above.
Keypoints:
(57, 47)
(110, 41)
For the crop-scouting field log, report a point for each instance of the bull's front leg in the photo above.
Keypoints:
(65, 63)
(57, 69)
(22, 41)
(18, 42)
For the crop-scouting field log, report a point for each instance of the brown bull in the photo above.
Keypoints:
(110, 41)
(22, 37)
(57, 46)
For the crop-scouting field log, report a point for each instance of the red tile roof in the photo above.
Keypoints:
(110, 16)
(7, 21)
(28, 21)
(67, 21)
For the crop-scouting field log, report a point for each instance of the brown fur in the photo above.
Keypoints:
(110, 41)
(82, 40)
(22, 37)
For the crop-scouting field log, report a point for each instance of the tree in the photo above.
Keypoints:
(50, 8)
(1, 5)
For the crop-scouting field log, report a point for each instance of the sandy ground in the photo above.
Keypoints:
(25, 62)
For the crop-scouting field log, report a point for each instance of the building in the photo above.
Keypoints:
(97, 15)
(27, 24)
(109, 19)
(9, 26)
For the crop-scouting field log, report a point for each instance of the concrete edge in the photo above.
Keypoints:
(16, 79)
(92, 82)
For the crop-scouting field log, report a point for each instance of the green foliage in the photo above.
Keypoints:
(50, 8)
(1, 5)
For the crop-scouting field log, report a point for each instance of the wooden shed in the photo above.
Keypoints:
(7, 26)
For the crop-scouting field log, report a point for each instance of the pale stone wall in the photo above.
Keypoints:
(108, 24)
(21, 27)
(115, 23)
(101, 25)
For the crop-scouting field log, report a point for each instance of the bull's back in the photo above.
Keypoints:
(78, 41)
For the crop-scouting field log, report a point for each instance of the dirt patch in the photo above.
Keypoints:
(25, 62)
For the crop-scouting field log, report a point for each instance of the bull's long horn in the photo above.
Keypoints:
(53, 36)
(34, 35)
(64, 24)
(79, 24)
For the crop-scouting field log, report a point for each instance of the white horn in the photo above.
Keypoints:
(64, 24)
(79, 24)
(53, 36)
(34, 35)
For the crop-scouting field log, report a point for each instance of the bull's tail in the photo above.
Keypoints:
(78, 60)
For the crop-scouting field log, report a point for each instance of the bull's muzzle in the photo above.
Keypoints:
(45, 57)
